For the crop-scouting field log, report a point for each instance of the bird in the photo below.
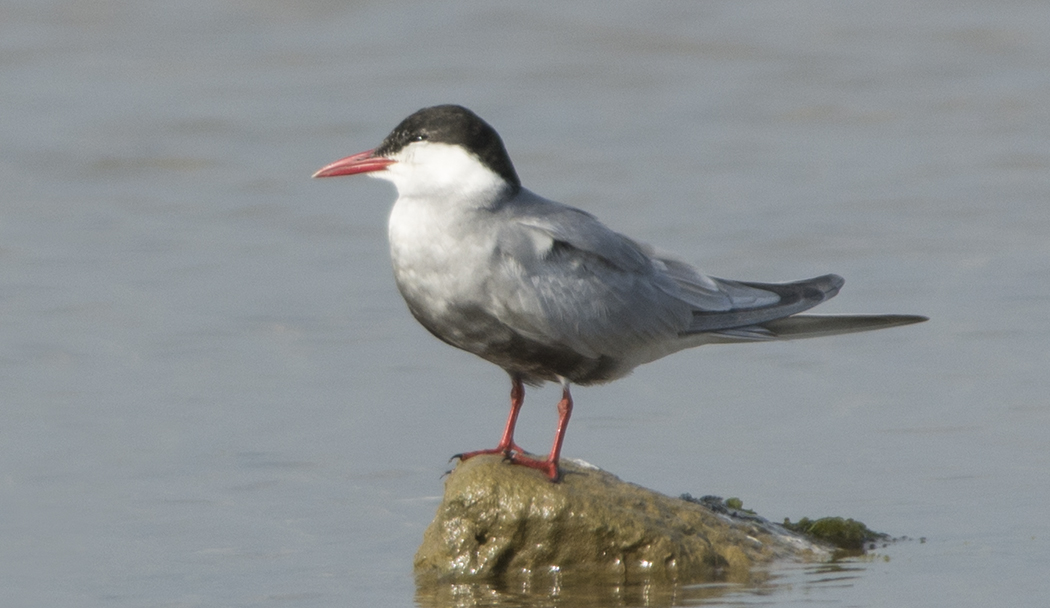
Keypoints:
(545, 290)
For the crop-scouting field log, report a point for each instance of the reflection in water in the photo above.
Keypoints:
(591, 594)
(446, 595)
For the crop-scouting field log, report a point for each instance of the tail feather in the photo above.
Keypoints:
(792, 298)
(813, 326)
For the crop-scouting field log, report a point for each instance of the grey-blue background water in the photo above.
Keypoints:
(212, 395)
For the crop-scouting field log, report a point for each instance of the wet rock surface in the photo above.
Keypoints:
(510, 525)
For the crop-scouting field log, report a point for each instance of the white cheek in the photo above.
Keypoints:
(441, 170)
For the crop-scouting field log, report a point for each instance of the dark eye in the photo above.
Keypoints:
(421, 137)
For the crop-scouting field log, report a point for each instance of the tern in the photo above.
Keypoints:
(545, 290)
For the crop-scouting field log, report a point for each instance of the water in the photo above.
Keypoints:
(212, 394)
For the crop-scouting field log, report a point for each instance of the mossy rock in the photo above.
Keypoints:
(846, 534)
(510, 525)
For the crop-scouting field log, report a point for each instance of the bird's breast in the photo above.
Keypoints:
(439, 264)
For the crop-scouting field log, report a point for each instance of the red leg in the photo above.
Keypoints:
(506, 444)
(550, 466)
(564, 413)
(512, 452)
(517, 399)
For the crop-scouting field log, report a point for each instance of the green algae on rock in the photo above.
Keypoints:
(512, 525)
(848, 535)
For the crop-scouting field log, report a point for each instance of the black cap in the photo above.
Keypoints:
(454, 125)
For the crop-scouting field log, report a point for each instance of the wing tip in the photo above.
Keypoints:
(811, 326)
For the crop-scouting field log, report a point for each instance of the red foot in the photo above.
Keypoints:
(546, 466)
(512, 452)
(515, 455)
(507, 452)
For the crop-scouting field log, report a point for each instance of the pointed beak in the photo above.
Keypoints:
(363, 162)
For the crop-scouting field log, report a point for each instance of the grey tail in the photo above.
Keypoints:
(810, 326)
(780, 321)
(814, 326)
(794, 298)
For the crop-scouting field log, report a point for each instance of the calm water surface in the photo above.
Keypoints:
(212, 394)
